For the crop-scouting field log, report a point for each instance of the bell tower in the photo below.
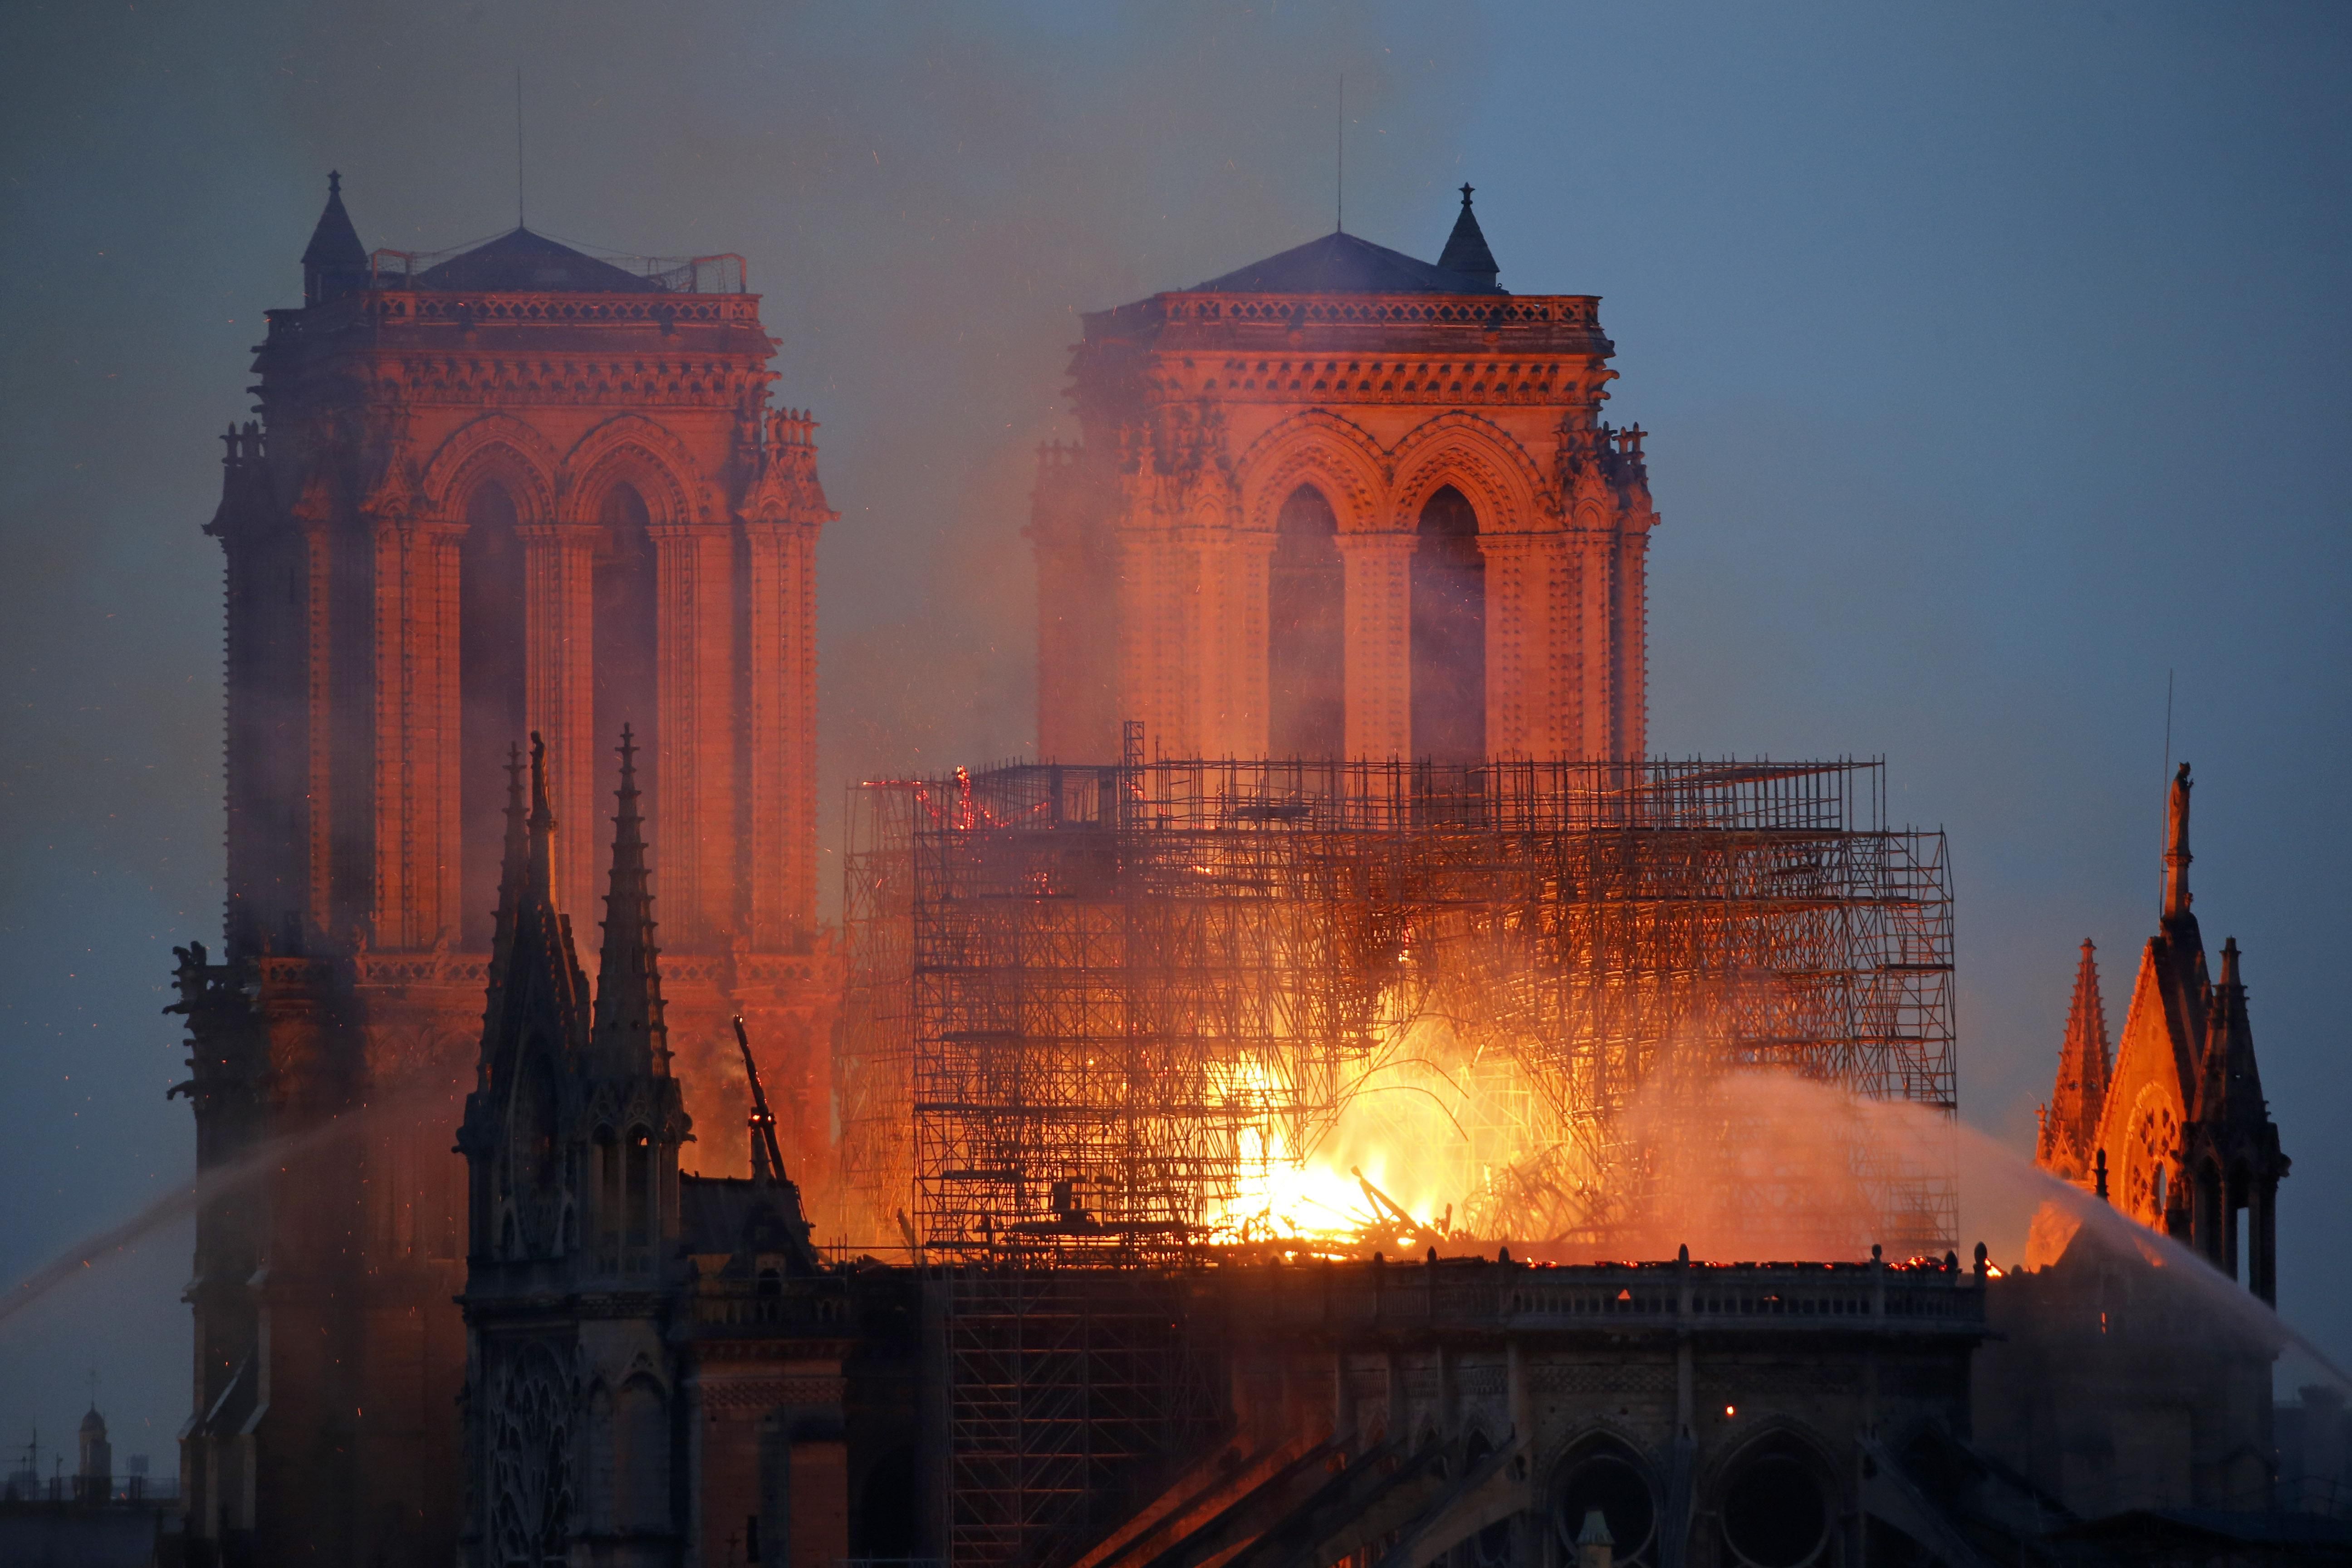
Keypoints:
(511, 489)
(1345, 503)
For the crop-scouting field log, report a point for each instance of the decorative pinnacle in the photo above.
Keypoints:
(334, 182)
(2176, 855)
(630, 1032)
(1466, 188)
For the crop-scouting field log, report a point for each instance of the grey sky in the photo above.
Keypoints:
(1994, 358)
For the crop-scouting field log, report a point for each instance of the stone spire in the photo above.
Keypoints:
(540, 978)
(1465, 248)
(2079, 1097)
(334, 263)
(2229, 1087)
(2176, 852)
(630, 1036)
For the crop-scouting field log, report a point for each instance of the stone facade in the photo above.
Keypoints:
(1476, 1411)
(2174, 1130)
(1345, 502)
(517, 490)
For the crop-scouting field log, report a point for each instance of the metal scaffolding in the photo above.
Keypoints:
(1089, 1006)
(1071, 1392)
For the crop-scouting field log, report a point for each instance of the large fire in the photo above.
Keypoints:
(1424, 1145)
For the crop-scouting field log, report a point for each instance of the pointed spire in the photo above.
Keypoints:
(334, 263)
(2230, 1084)
(630, 1036)
(1465, 248)
(2079, 1097)
(2176, 852)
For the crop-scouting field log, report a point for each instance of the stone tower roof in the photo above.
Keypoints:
(1465, 250)
(334, 263)
(335, 241)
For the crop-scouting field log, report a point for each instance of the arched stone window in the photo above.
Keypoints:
(1307, 698)
(490, 685)
(641, 1427)
(1449, 633)
(1775, 1510)
(622, 659)
(534, 1153)
(609, 1200)
(1605, 1477)
(638, 1198)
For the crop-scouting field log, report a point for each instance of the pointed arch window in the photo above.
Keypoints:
(1449, 633)
(1306, 700)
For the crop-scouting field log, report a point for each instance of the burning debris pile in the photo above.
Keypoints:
(1307, 1008)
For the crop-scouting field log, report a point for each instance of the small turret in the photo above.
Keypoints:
(1465, 248)
(334, 263)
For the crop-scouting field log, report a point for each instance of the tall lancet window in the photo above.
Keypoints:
(1449, 633)
(623, 656)
(1307, 697)
(491, 689)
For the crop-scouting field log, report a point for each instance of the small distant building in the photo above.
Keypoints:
(78, 1521)
(94, 1472)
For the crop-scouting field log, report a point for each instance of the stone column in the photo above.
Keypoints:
(1138, 642)
(1596, 654)
(1518, 620)
(318, 702)
(393, 909)
(1160, 678)
(1564, 644)
(780, 870)
(1379, 658)
(560, 704)
(417, 724)
(694, 835)
(1249, 559)
(1632, 671)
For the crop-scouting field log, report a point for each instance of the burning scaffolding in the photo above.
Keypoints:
(1128, 1011)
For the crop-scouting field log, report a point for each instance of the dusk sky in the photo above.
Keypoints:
(1998, 363)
